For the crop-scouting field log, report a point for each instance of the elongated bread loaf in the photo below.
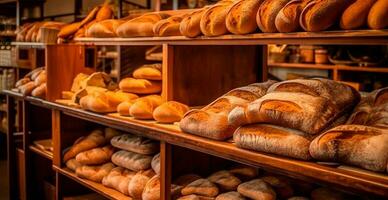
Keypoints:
(132, 161)
(123, 108)
(135, 144)
(141, 26)
(241, 18)
(69, 29)
(96, 156)
(215, 114)
(104, 13)
(170, 112)
(213, 19)
(140, 86)
(168, 27)
(104, 29)
(94, 173)
(149, 72)
(287, 20)
(40, 91)
(267, 13)
(355, 16)
(94, 139)
(377, 17)
(97, 102)
(73, 164)
(190, 25)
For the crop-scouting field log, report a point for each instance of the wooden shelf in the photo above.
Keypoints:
(41, 152)
(358, 181)
(97, 187)
(367, 37)
(363, 69)
(34, 45)
(16, 95)
(328, 67)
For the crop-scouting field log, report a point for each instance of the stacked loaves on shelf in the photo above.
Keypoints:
(32, 32)
(34, 83)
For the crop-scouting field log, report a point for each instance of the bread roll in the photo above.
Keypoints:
(73, 164)
(195, 197)
(355, 16)
(190, 25)
(22, 32)
(149, 72)
(132, 161)
(241, 18)
(42, 78)
(257, 189)
(97, 102)
(140, 26)
(33, 30)
(274, 139)
(155, 163)
(40, 91)
(213, 19)
(326, 193)
(22, 82)
(27, 88)
(94, 173)
(215, 114)
(118, 179)
(225, 180)
(152, 189)
(96, 156)
(69, 30)
(93, 140)
(168, 27)
(135, 144)
(104, 29)
(144, 107)
(245, 172)
(230, 196)
(377, 17)
(287, 20)
(138, 183)
(358, 145)
(281, 185)
(267, 13)
(201, 187)
(320, 15)
(140, 86)
(170, 112)
(104, 13)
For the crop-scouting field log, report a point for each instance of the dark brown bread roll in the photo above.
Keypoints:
(267, 13)
(355, 16)
(241, 18)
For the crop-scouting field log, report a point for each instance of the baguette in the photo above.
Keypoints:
(41, 78)
(90, 17)
(94, 173)
(69, 30)
(27, 88)
(213, 19)
(140, 86)
(104, 13)
(144, 107)
(190, 25)
(170, 112)
(168, 27)
(135, 144)
(149, 72)
(241, 18)
(140, 26)
(104, 29)
(40, 91)
(132, 161)
(22, 82)
(355, 16)
(377, 17)
(96, 156)
(267, 13)
(287, 20)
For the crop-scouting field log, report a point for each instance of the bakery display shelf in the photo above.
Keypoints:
(41, 152)
(97, 187)
(356, 180)
(16, 95)
(34, 45)
(328, 67)
(366, 37)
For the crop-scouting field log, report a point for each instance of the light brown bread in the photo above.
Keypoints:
(104, 13)
(287, 20)
(225, 180)
(195, 197)
(138, 182)
(118, 179)
(94, 139)
(281, 185)
(41, 78)
(40, 91)
(241, 18)
(27, 88)
(152, 189)
(104, 29)
(213, 19)
(358, 145)
(267, 13)
(73, 164)
(96, 156)
(144, 107)
(135, 144)
(230, 196)
(97, 102)
(155, 163)
(190, 25)
(132, 161)
(274, 139)
(244, 172)
(140, 86)
(168, 27)
(149, 72)
(377, 17)
(355, 16)
(170, 112)
(257, 189)
(94, 173)
(69, 30)
(22, 81)
(201, 187)
(141, 26)
(123, 108)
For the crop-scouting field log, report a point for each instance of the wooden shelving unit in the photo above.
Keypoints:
(44, 153)
(329, 67)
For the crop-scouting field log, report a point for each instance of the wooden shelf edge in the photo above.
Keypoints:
(328, 67)
(97, 187)
(46, 154)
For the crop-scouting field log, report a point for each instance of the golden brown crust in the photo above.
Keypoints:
(190, 25)
(140, 86)
(104, 13)
(241, 18)
(140, 26)
(213, 19)
(267, 13)
(287, 20)
(355, 16)
(69, 30)
(40, 91)
(377, 17)
(103, 29)
(168, 27)
(170, 112)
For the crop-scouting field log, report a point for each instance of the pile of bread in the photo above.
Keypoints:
(301, 119)
(34, 83)
(31, 32)
(240, 183)
(249, 16)
(126, 163)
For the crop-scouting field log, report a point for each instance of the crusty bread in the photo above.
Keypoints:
(144, 107)
(274, 139)
(201, 187)
(215, 114)
(377, 17)
(358, 145)
(244, 172)
(94, 139)
(168, 27)
(225, 180)
(118, 178)
(22, 81)
(152, 189)
(149, 72)
(257, 189)
(140, 86)
(123, 108)
(104, 13)
(155, 163)
(97, 102)
(267, 13)
(41, 78)
(73, 164)
(190, 25)
(94, 173)
(230, 196)
(135, 144)
(355, 16)
(213, 19)
(96, 156)
(241, 18)
(132, 161)
(320, 15)
(138, 182)
(40, 91)
(281, 185)
(69, 29)
(326, 193)
(195, 197)
(104, 29)
(170, 112)
(27, 88)
(140, 26)
(287, 20)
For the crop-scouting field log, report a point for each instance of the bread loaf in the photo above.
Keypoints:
(93, 140)
(149, 72)
(281, 185)
(140, 86)
(27, 88)
(201, 187)
(309, 105)
(118, 178)
(195, 197)
(22, 81)
(358, 145)
(96, 156)
(168, 27)
(170, 112)
(245, 172)
(69, 30)
(73, 164)
(94, 173)
(97, 102)
(215, 114)
(355, 16)
(91, 16)
(104, 13)
(287, 20)
(190, 25)
(213, 19)
(41, 78)
(225, 180)
(274, 139)
(320, 15)
(104, 29)
(135, 144)
(257, 189)
(138, 182)
(155, 163)
(22, 31)
(230, 196)
(132, 161)
(115, 98)
(110, 133)
(40, 91)
(241, 18)
(123, 108)
(267, 13)
(152, 189)
(140, 26)
(326, 193)
(144, 107)
(377, 17)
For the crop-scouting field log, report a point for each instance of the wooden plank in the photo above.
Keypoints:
(302, 66)
(56, 137)
(167, 72)
(165, 171)
(43, 153)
